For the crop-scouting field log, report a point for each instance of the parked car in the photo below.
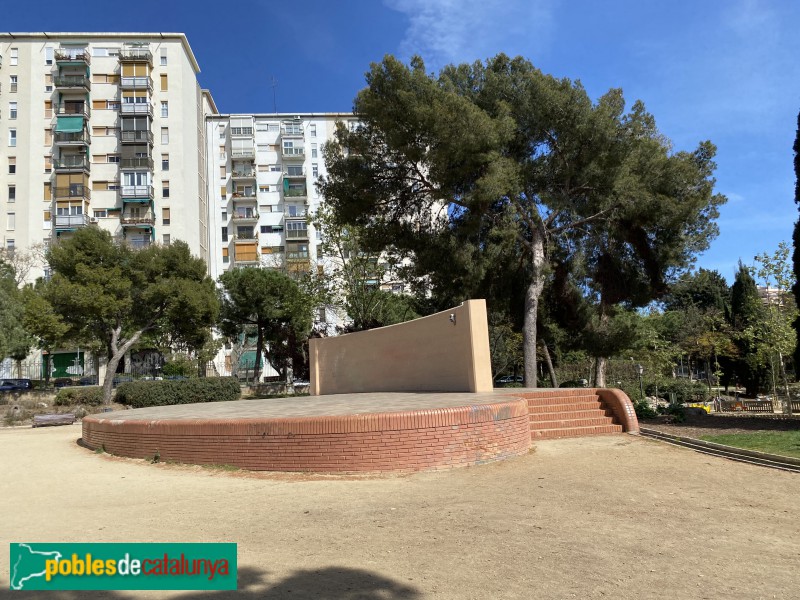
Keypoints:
(15, 385)
(510, 379)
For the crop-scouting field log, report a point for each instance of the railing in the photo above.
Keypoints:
(244, 216)
(296, 130)
(300, 175)
(243, 153)
(79, 109)
(138, 136)
(245, 237)
(138, 162)
(73, 191)
(296, 214)
(71, 162)
(136, 191)
(297, 255)
(139, 244)
(250, 174)
(72, 81)
(135, 55)
(136, 108)
(136, 83)
(244, 195)
(293, 152)
(135, 221)
(295, 193)
(247, 258)
(297, 233)
(63, 221)
(71, 56)
(71, 137)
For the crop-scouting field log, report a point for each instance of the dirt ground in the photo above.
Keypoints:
(604, 517)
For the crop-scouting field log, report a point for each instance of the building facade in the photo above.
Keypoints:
(102, 129)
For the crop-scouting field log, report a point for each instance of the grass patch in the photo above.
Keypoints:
(784, 443)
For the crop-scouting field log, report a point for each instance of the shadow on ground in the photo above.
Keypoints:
(330, 583)
(729, 421)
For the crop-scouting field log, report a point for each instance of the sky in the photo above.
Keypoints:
(721, 70)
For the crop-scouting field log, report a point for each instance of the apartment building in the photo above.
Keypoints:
(102, 129)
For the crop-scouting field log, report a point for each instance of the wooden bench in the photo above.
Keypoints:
(58, 419)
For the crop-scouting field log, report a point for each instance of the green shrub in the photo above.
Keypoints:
(91, 395)
(180, 365)
(684, 390)
(139, 394)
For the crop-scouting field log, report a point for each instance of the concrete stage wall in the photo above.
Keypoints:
(444, 352)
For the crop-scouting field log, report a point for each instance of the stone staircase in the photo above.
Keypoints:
(568, 413)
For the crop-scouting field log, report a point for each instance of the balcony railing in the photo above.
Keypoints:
(297, 255)
(299, 234)
(71, 137)
(246, 174)
(243, 153)
(79, 110)
(139, 136)
(73, 191)
(244, 196)
(293, 130)
(136, 108)
(138, 162)
(293, 152)
(249, 258)
(295, 214)
(244, 215)
(136, 83)
(71, 56)
(136, 191)
(245, 236)
(71, 163)
(295, 193)
(72, 81)
(148, 221)
(69, 221)
(139, 244)
(294, 174)
(135, 55)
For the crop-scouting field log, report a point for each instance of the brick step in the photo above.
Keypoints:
(577, 406)
(547, 400)
(571, 414)
(542, 434)
(567, 423)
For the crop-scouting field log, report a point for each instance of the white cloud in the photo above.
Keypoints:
(451, 31)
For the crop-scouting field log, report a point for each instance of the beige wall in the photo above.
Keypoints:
(434, 353)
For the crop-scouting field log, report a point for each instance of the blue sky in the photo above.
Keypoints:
(724, 70)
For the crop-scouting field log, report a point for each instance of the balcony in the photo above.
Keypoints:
(295, 212)
(295, 175)
(65, 164)
(136, 108)
(136, 83)
(295, 192)
(71, 138)
(293, 153)
(292, 130)
(139, 221)
(243, 174)
(243, 153)
(72, 82)
(241, 132)
(138, 162)
(64, 56)
(139, 192)
(76, 190)
(245, 237)
(245, 196)
(138, 244)
(139, 136)
(71, 221)
(136, 55)
(301, 256)
(77, 109)
(242, 216)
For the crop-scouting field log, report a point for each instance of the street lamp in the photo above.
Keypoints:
(639, 371)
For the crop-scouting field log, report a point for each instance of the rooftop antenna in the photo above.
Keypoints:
(274, 84)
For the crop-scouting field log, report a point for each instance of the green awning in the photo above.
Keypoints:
(70, 124)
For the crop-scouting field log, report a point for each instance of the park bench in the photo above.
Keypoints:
(59, 419)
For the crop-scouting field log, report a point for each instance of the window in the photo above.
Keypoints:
(315, 170)
(263, 188)
(313, 151)
(164, 135)
(222, 132)
(224, 215)
(294, 170)
(163, 57)
(164, 109)
(275, 168)
(113, 158)
(165, 215)
(13, 57)
(48, 164)
(274, 128)
(13, 81)
(48, 56)
(100, 214)
(165, 189)
(12, 221)
(12, 110)
(9, 244)
(223, 173)
(165, 162)
(224, 234)
(12, 137)
(164, 83)
(12, 165)
(12, 193)
(166, 238)
(293, 128)
(266, 229)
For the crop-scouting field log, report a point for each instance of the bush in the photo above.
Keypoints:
(139, 394)
(684, 390)
(91, 395)
(179, 366)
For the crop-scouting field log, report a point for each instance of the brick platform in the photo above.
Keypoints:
(350, 432)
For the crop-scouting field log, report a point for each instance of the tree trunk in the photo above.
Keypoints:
(259, 350)
(600, 372)
(788, 406)
(532, 295)
(117, 353)
(549, 362)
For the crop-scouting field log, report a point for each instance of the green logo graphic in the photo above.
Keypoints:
(123, 566)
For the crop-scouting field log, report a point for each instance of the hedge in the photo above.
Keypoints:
(139, 394)
(91, 395)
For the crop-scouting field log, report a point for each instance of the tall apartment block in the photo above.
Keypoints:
(262, 171)
(102, 129)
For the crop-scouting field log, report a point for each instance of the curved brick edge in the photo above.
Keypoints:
(398, 441)
(621, 406)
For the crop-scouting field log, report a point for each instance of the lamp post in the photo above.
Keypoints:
(639, 371)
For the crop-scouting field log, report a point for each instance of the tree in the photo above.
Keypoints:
(15, 341)
(747, 312)
(110, 295)
(796, 240)
(270, 305)
(491, 171)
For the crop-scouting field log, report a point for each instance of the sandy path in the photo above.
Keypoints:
(604, 517)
